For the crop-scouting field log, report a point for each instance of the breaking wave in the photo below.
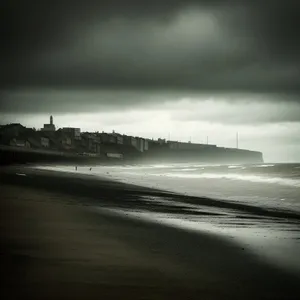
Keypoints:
(251, 178)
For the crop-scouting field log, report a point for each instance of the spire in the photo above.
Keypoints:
(51, 120)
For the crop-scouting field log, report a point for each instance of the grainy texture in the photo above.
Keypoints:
(55, 245)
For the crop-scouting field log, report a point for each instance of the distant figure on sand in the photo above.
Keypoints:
(76, 168)
(90, 169)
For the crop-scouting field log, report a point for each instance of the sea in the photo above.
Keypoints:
(268, 187)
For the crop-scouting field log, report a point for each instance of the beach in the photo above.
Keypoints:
(62, 236)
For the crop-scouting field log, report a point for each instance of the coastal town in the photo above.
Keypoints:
(72, 142)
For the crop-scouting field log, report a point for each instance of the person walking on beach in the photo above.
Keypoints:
(90, 169)
(76, 168)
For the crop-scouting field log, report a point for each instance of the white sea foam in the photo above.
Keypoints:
(188, 169)
(263, 166)
(251, 178)
(253, 185)
(188, 173)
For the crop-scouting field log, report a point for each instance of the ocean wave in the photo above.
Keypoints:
(251, 178)
(189, 169)
(263, 166)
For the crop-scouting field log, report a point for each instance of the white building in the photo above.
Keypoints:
(146, 145)
(142, 144)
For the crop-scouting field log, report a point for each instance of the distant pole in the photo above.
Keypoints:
(237, 140)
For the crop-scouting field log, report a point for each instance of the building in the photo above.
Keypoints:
(93, 145)
(19, 136)
(66, 141)
(142, 144)
(72, 132)
(45, 142)
(130, 141)
(119, 138)
(92, 142)
(161, 141)
(19, 143)
(49, 127)
(104, 137)
(146, 145)
(34, 142)
(53, 138)
(12, 130)
(111, 138)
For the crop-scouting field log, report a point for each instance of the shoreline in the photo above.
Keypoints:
(87, 185)
(134, 258)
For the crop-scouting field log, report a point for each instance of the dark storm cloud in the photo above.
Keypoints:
(78, 100)
(241, 112)
(205, 45)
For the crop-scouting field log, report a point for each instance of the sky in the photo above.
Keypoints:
(184, 70)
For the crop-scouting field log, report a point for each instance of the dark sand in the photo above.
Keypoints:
(55, 245)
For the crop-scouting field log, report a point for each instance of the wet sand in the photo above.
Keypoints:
(55, 245)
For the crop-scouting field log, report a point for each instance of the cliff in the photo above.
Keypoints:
(209, 155)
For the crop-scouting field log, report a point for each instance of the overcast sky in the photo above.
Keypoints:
(188, 68)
